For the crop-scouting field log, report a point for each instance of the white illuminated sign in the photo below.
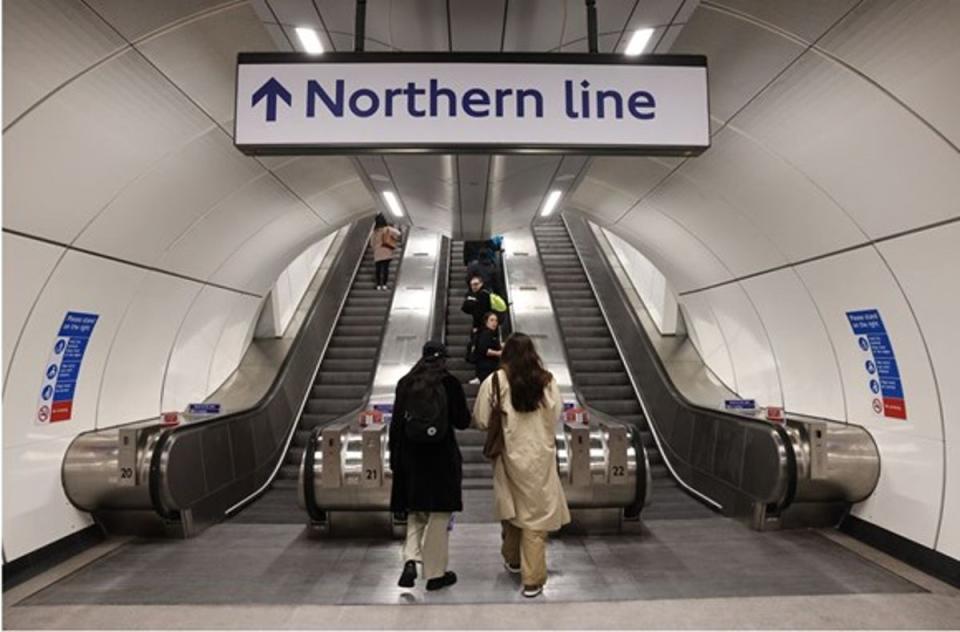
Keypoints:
(287, 103)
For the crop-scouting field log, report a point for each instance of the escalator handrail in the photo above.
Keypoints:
(156, 459)
(676, 394)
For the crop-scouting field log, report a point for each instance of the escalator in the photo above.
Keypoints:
(341, 385)
(477, 473)
(599, 375)
(178, 480)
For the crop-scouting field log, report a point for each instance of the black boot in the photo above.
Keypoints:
(409, 574)
(449, 579)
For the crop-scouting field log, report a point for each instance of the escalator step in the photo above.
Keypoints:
(351, 353)
(343, 377)
(289, 472)
(348, 364)
(330, 406)
(595, 393)
(310, 420)
(338, 391)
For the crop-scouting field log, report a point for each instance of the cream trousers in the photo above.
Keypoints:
(427, 540)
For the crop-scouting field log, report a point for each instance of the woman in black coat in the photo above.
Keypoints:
(427, 476)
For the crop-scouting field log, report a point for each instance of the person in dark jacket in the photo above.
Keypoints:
(477, 301)
(487, 354)
(486, 268)
(427, 476)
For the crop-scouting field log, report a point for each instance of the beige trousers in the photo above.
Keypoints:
(528, 549)
(427, 540)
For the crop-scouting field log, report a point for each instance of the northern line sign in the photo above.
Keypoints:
(293, 103)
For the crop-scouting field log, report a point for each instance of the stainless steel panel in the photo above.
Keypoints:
(530, 306)
(411, 313)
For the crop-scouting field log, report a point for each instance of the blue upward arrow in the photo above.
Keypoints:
(270, 91)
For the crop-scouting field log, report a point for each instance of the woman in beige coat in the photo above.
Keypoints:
(383, 240)
(529, 500)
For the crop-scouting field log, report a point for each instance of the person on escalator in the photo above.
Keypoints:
(487, 350)
(528, 497)
(426, 463)
(384, 240)
(476, 303)
(485, 267)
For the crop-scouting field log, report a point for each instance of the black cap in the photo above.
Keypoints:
(434, 348)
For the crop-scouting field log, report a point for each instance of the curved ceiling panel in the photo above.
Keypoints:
(722, 228)
(807, 19)
(686, 262)
(138, 19)
(53, 42)
(867, 152)
(142, 221)
(211, 240)
(780, 201)
(741, 56)
(925, 79)
(78, 150)
(200, 56)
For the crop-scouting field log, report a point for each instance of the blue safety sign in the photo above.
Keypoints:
(58, 390)
(883, 380)
(204, 408)
(740, 404)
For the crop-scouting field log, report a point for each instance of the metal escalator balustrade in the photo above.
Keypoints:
(801, 473)
(346, 372)
(599, 375)
(341, 385)
(598, 371)
(149, 479)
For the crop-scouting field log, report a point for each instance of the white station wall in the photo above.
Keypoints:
(124, 197)
(830, 186)
(650, 284)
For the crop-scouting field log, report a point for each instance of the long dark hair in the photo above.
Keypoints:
(428, 370)
(525, 373)
(380, 221)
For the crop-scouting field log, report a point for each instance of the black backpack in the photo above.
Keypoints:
(425, 417)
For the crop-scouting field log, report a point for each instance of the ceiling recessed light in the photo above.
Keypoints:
(393, 203)
(309, 40)
(551, 204)
(638, 41)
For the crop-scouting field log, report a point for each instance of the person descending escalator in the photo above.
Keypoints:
(384, 240)
(487, 351)
(426, 463)
(519, 405)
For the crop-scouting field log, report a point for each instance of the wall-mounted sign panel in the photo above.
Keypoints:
(881, 373)
(292, 103)
(62, 370)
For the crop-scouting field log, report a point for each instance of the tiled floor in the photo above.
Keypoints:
(235, 563)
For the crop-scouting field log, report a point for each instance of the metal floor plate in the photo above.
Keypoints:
(274, 564)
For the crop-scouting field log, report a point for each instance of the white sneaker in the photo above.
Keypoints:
(532, 591)
(475, 380)
(513, 569)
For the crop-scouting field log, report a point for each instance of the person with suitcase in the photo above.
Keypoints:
(427, 465)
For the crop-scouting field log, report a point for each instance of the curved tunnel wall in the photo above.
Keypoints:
(124, 196)
(831, 185)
